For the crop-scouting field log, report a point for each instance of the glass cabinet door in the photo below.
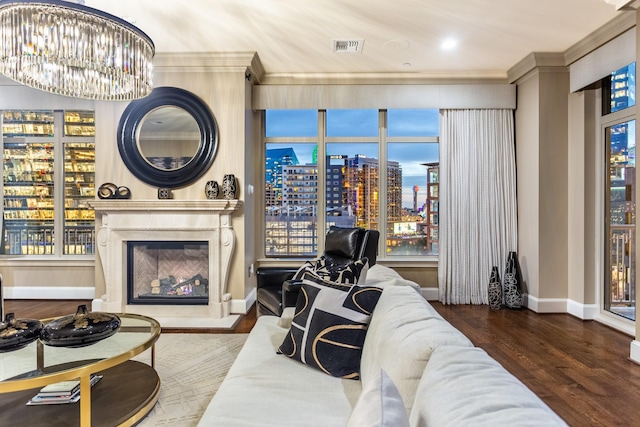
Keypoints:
(79, 189)
(28, 176)
(48, 166)
(79, 185)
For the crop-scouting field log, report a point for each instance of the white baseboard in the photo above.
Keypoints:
(545, 305)
(242, 306)
(634, 354)
(561, 305)
(48, 292)
(582, 311)
(430, 294)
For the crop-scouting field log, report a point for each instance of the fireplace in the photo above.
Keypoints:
(168, 272)
(179, 253)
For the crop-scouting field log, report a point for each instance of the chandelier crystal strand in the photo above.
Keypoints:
(74, 50)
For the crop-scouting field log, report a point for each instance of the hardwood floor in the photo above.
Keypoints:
(581, 369)
(43, 309)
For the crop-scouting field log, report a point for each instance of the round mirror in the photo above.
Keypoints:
(169, 138)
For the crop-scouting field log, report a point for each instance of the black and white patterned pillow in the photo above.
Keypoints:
(353, 272)
(329, 326)
(341, 273)
(307, 266)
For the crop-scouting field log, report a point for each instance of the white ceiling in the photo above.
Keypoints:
(401, 36)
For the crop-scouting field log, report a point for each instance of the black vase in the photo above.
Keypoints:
(495, 289)
(512, 282)
(80, 329)
(229, 188)
(211, 189)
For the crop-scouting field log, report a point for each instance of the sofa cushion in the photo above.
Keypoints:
(464, 386)
(383, 277)
(380, 405)
(404, 331)
(265, 389)
(330, 324)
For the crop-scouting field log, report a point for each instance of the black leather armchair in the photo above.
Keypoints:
(342, 245)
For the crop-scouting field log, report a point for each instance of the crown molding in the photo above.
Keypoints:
(199, 61)
(383, 78)
(609, 31)
(624, 4)
(536, 60)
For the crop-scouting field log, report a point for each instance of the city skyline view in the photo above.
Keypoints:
(355, 145)
(350, 124)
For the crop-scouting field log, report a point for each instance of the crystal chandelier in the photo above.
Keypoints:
(74, 50)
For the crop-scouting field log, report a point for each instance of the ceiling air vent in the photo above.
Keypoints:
(348, 46)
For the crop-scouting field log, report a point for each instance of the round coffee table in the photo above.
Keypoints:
(125, 394)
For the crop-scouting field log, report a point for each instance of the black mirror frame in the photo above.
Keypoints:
(131, 121)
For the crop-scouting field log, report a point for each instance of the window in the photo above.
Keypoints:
(620, 217)
(351, 148)
(48, 179)
(619, 89)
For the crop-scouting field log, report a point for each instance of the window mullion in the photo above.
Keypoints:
(382, 180)
(58, 187)
(322, 180)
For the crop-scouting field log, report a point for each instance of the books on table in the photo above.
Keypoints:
(62, 392)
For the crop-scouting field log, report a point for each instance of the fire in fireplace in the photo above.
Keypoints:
(168, 272)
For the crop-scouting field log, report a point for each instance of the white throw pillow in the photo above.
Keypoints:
(379, 405)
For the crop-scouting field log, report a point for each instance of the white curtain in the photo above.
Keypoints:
(477, 212)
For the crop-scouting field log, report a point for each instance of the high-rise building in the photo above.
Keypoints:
(335, 195)
(361, 190)
(275, 159)
(623, 85)
(432, 207)
(300, 189)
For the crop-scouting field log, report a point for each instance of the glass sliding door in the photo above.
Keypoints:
(620, 220)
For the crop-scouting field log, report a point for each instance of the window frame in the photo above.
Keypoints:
(382, 140)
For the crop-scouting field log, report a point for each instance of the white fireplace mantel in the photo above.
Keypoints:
(166, 220)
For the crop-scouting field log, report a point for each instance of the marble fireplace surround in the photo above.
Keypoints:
(167, 220)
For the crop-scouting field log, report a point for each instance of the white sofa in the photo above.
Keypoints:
(442, 378)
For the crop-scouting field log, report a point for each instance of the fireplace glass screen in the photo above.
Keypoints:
(168, 272)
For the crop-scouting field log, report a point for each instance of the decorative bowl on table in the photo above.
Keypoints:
(17, 333)
(80, 329)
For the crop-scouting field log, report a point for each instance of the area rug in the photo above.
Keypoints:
(191, 368)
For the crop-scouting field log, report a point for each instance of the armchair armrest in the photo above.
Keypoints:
(290, 291)
(269, 288)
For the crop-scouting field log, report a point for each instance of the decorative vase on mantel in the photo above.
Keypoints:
(495, 289)
(229, 189)
(212, 189)
(512, 282)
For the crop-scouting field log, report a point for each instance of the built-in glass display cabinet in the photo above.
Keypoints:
(48, 179)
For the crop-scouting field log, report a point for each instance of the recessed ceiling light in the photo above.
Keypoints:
(449, 44)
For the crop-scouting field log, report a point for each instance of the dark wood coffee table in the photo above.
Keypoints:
(125, 394)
